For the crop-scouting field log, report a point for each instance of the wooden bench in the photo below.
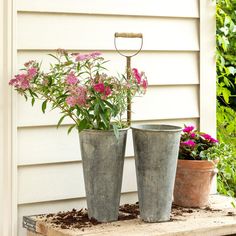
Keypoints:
(218, 219)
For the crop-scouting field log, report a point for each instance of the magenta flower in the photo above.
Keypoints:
(71, 79)
(188, 129)
(100, 87)
(209, 138)
(137, 75)
(188, 143)
(192, 135)
(144, 84)
(107, 91)
(32, 72)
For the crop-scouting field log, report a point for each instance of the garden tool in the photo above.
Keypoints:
(128, 63)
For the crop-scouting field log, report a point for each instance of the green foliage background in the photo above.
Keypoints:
(226, 91)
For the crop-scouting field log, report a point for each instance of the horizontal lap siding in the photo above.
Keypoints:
(50, 174)
(62, 181)
(157, 66)
(170, 8)
(51, 145)
(96, 32)
(163, 102)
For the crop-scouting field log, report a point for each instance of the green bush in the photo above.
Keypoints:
(226, 92)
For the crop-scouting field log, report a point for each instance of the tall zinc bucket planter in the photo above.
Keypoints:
(103, 160)
(156, 151)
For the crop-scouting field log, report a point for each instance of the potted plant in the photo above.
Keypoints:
(77, 85)
(196, 168)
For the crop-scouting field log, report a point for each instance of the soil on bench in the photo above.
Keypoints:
(78, 219)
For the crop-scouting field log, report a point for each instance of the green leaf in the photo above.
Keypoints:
(60, 121)
(32, 101)
(54, 57)
(78, 66)
(104, 119)
(226, 94)
(83, 124)
(70, 128)
(116, 131)
(233, 204)
(44, 106)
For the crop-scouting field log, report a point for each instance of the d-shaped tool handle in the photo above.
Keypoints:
(128, 35)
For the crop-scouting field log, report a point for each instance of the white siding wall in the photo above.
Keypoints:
(49, 173)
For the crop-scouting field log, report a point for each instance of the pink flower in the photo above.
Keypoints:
(32, 72)
(20, 81)
(137, 75)
(71, 101)
(188, 143)
(188, 129)
(192, 135)
(144, 84)
(107, 91)
(71, 79)
(82, 57)
(209, 138)
(100, 87)
(95, 54)
(81, 95)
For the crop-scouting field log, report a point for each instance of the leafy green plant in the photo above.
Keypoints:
(77, 85)
(226, 92)
(226, 178)
(225, 54)
(193, 143)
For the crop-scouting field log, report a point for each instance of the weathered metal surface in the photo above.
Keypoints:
(103, 161)
(156, 152)
(29, 223)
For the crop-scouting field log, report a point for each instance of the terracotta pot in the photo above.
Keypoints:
(193, 182)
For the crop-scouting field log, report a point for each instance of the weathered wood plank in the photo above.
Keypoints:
(216, 221)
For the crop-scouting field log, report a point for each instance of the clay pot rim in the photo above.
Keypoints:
(197, 164)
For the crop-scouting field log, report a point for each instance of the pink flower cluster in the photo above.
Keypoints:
(189, 143)
(71, 79)
(78, 96)
(191, 134)
(188, 129)
(140, 78)
(22, 81)
(209, 138)
(84, 57)
(101, 88)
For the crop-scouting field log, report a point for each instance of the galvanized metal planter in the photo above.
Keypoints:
(103, 160)
(156, 151)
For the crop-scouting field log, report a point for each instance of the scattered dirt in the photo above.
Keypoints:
(78, 219)
(230, 213)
